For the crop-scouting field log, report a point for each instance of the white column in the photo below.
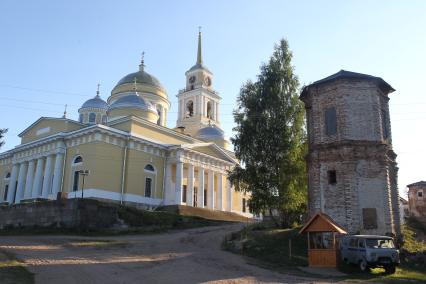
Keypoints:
(178, 185)
(168, 192)
(38, 180)
(21, 182)
(12, 184)
(29, 180)
(57, 174)
(47, 177)
(200, 193)
(219, 191)
(210, 190)
(217, 111)
(190, 187)
(229, 189)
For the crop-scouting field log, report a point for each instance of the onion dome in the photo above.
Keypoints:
(142, 77)
(132, 100)
(210, 132)
(96, 102)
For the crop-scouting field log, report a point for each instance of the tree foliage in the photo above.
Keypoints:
(270, 140)
(2, 133)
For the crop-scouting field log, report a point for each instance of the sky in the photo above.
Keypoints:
(54, 53)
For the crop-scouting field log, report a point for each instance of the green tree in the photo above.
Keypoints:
(270, 141)
(2, 133)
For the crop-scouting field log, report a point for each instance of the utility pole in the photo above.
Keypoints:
(83, 173)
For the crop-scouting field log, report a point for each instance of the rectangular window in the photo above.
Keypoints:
(6, 189)
(244, 205)
(332, 178)
(184, 190)
(205, 197)
(330, 121)
(76, 181)
(148, 183)
(420, 194)
(385, 130)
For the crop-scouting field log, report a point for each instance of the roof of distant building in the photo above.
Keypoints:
(417, 183)
(343, 74)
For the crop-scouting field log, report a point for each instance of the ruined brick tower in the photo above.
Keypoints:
(351, 165)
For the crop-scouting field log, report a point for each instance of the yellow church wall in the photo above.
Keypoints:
(150, 116)
(104, 162)
(136, 174)
(157, 135)
(47, 127)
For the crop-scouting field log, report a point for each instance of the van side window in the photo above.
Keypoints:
(352, 243)
(361, 244)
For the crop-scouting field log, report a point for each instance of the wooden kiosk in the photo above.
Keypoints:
(322, 249)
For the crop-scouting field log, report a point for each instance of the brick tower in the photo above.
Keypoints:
(352, 172)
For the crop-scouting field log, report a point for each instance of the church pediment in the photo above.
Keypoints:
(210, 149)
(47, 126)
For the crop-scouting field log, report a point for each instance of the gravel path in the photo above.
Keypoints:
(188, 256)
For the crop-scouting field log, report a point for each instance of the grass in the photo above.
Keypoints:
(270, 246)
(13, 271)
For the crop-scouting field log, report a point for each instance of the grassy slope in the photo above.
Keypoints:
(272, 247)
(12, 271)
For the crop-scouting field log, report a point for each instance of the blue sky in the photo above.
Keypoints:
(54, 53)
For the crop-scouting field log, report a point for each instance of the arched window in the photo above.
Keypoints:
(92, 117)
(80, 118)
(159, 116)
(104, 119)
(148, 187)
(149, 168)
(190, 109)
(7, 175)
(78, 159)
(209, 110)
(76, 174)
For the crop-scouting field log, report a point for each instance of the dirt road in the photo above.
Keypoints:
(188, 256)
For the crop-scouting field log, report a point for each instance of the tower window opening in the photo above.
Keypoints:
(385, 130)
(159, 116)
(80, 119)
(104, 119)
(192, 87)
(190, 109)
(209, 110)
(332, 178)
(244, 205)
(6, 189)
(330, 121)
(420, 194)
(92, 117)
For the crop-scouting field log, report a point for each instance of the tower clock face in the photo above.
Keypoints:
(192, 79)
(208, 81)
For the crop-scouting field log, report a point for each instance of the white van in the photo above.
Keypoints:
(369, 251)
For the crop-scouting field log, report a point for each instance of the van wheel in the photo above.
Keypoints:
(363, 265)
(390, 269)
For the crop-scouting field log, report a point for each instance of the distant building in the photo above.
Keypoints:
(404, 211)
(417, 200)
(352, 172)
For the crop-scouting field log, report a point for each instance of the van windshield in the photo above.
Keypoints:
(379, 243)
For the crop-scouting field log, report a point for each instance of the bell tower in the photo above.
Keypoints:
(198, 102)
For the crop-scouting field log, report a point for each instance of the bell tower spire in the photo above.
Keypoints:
(199, 103)
(199, 55)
